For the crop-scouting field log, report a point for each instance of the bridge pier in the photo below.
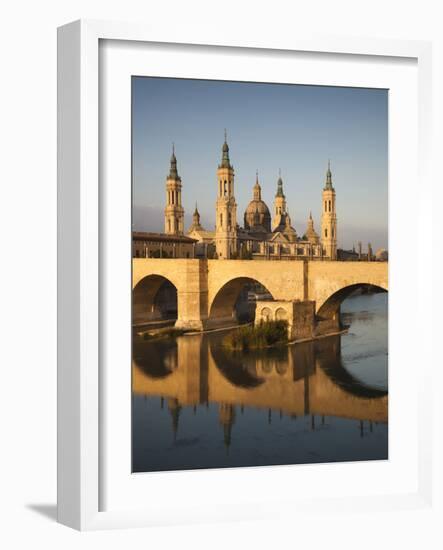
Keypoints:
(330, 325)
(192, 297)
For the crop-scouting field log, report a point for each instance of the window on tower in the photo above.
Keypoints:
(326, 233)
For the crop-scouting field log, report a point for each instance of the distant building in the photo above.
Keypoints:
(347, 255)
(161, 245)
(382, 255)
(352, 255)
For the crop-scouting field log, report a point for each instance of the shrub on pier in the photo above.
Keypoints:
(267, 334)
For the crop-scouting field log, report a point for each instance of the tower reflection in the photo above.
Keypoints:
(303, 380)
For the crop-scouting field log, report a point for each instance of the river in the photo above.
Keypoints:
(195, 405)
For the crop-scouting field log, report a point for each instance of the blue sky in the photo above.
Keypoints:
(270, 127)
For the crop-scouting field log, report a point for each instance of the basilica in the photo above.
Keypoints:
(263, 236)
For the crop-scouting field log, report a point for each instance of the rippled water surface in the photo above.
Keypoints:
(197, 406)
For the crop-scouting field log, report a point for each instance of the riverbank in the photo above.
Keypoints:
(344, 330)
(161, 334)
(171, 333)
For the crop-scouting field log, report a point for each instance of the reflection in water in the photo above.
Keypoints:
(195, 405)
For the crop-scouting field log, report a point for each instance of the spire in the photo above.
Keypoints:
(257, 188)
(173, 174)
(225, 163)
(328, 184)
(196, 216)
(279, 186)
(196, 221)
(310, 233)
(310, 223)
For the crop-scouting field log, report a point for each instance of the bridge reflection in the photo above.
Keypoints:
(300, 380)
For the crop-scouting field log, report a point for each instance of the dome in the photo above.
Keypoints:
(257, 214)
(257, 205)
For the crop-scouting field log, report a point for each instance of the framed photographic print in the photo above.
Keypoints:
(256, 339)
(229, 237)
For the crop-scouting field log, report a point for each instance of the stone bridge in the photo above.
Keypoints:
(207, 290)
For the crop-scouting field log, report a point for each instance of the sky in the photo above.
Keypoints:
(294, 128)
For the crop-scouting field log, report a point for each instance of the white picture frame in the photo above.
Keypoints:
(80, 263)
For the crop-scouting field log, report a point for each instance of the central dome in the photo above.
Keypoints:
(257, 216)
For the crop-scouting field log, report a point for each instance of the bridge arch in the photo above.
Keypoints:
(223, 306)
(331, 305)
(154, 298)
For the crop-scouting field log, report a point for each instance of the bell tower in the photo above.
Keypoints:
(329, 219)
(226, 208)
(174, 212)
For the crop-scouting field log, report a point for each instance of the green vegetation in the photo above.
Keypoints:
(162, 334)
(265, 335)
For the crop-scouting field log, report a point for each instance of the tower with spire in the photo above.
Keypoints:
(196, 225)
(279, 205)
(174, 212)
(226, 208)
(311, 234)
(329, 218)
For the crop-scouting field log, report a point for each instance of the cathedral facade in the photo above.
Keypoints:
(263, 235)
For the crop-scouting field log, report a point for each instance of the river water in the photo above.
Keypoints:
(195, 405)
